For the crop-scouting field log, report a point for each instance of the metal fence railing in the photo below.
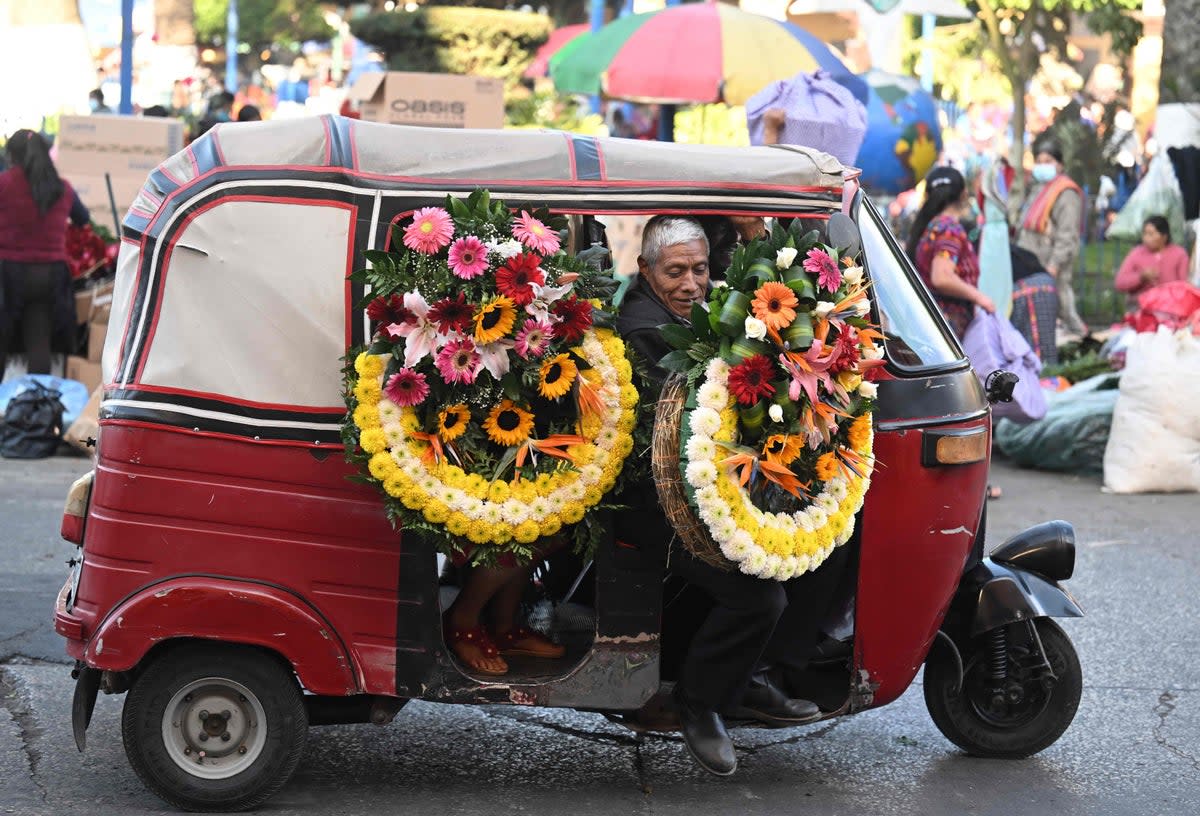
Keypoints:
(1098, 301)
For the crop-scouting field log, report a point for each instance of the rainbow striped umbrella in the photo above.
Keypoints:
(699, 52)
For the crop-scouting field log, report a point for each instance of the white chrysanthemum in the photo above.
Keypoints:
(755, 563)
(818, 516)
(837, 489)
(389, 412)
(711, 514)
(742, 543)
(460, 502)
(717, 371)
(574, 491)
(540, 508)
(428, 483)
(819, 558)
(506, 249)
(492, 513)
(713, 395)
(590, 474)
(724, 529)
(701, 448)
(775, 568)
(701, 473)
(445, 493)
(708, 495)
(730, 551)
(803, 564)
(844, 536)
(394, 436)
(600, 457)
(827, 503)
(474, 507)
(706, 421)
(607, 437)
(515, 512)
(413, 469)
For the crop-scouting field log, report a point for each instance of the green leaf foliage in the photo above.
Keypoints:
(262, 23)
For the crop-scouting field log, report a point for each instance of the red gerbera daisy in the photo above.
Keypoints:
(515, 279)
(389, 310)
(575, 316)
(452, 314)
(750, 380)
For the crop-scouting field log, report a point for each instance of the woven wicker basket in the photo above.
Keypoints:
(668, 478)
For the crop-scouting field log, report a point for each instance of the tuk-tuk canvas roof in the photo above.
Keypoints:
(232, 299)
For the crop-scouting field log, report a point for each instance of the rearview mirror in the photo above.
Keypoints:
(843, 234)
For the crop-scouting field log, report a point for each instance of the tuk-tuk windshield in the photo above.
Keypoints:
(916, 337)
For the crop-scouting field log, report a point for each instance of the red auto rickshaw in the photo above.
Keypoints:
(238, 587)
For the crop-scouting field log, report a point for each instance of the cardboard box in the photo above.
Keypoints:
(94, 303)
(96, 334)
(120, 145)
(430, 100)
(93, 192)
(83, 370)
(87, 425)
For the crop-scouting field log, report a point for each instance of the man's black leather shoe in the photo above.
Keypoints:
(706, 738)
(764, 702)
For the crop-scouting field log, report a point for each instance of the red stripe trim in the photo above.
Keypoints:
(328, 141)
(571, 156)
(130, 241)
(165, 266)
(191, 154)
(353, 145)
(274, 406)
(290, 443)
(162, 168)
(216, 140)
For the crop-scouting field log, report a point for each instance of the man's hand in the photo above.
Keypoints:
(773, 122)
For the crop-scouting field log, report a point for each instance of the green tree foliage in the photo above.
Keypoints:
(457, 40)
(263, 23)
(1017, 32)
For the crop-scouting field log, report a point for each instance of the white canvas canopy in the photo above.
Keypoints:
(232, 310)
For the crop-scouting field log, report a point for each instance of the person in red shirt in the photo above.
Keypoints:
(35, 284)
(1155, 260)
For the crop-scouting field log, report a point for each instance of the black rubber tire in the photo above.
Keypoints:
(286, 722)
(958, 720)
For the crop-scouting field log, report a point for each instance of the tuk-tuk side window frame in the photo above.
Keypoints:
(956, 358)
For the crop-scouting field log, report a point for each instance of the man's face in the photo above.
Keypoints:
(679, 277)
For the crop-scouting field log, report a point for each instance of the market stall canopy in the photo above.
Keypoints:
(540, 66)
(952, 9)
(695, 53)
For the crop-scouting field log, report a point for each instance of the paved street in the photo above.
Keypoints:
(1134, 747)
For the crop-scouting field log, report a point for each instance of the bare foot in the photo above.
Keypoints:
(473, 647)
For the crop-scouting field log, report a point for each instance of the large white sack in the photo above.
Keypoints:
(1154, 445)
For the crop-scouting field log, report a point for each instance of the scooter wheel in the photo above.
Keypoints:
(214, 728)
(1030, 712)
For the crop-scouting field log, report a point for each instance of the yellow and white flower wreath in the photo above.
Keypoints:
(498, 512)
(763, 544)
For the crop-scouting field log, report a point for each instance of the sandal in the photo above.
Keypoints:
(522, 642)
(468, 645)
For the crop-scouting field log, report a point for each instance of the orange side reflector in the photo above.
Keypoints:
(962, 450)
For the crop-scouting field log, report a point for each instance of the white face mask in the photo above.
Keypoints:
(1044, 172)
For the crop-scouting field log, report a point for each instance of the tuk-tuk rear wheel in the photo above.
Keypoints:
(1032, 712)
(213, 727)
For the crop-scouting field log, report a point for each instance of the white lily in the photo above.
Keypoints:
(421, 338)
(543, 298)
(785, 257)
(494, 357)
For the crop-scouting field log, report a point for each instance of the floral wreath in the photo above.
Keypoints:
(494, 406)
(776, 441)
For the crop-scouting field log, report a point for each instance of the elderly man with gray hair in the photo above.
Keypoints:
(722, 673)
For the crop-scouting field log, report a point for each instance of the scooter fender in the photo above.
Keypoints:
(1007, 594)
(220, 609)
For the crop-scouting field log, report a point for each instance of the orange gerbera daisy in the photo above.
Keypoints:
(775, 305)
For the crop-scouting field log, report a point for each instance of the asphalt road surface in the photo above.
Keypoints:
(1134, 747)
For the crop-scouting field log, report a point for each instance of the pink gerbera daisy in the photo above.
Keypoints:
(468, 257)
(819, 262)
(430, 230)
(407, 387)
(533, 339)
(535, 235)
(459, 362)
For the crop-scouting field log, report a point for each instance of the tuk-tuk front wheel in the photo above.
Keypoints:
(214, 728)
(1012, 703)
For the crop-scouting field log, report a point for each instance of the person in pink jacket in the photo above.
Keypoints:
(1155, 260)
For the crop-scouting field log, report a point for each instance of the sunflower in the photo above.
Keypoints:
(782, 448)
(827, 466)
(775, 305)
(859, 434)
(494, 319)
(453, 421)
(508, 424)
(558, 374)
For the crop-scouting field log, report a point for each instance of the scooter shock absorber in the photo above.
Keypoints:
(999, 657)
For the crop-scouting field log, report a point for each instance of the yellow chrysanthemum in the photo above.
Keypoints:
(458, 524)
(395, 485)
(453, 421)
(859, 434)
(479, 533)
(368, 365)
(501, 533)
(592, 497)
(550, 526)
(827, 466)
(372, 440)
(523, 491)
(508, 424)
(527, 532)
(629, 396)
(557, 376)
(368, 392)
(573, 513)
(409, 420)
(382, 466)
(366, 417)
(783, 449)
(436, 512)
(498, 492)
(414, 498)
(494, 320)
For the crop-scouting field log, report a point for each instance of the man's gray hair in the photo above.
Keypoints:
(669, 230)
